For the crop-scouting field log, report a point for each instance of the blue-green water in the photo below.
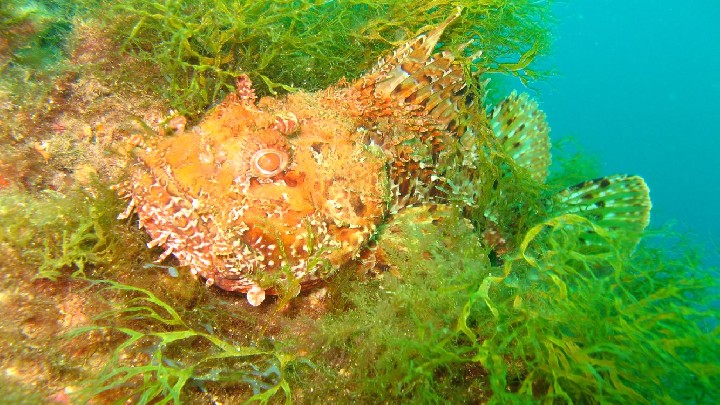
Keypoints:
(638, 86)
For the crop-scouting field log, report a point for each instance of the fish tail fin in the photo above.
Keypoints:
(523, 132)
(619, 204)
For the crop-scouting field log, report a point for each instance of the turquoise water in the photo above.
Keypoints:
(637, 85)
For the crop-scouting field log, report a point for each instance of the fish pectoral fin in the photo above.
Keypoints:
(523, 132)
(619, 205)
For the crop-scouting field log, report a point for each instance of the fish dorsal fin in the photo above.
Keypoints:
(619, 204)
(412, 75)
(524, 134)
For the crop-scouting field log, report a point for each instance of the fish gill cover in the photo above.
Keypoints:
(89, 317)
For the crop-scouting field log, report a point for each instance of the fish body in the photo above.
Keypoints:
(262, 191)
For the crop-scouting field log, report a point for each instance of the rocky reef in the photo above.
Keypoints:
(88, 316)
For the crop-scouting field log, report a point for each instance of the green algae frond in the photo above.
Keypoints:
(555, 327)
(59, 231)
(201, 46)
(599, 327)
(34, 33)
(154, 327)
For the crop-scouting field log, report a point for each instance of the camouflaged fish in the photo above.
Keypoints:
(266, 190)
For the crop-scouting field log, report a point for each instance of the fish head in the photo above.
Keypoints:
(262, 190)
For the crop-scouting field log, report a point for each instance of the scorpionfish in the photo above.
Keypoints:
(262, 191)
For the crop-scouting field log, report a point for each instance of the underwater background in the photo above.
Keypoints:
(86, 316)
(636, 85)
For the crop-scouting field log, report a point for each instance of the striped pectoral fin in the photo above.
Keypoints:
(619, 204)
(523, 131)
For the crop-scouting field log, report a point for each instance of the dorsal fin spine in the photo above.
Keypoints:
(412, 75)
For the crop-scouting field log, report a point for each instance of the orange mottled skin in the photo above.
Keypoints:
(196, 194)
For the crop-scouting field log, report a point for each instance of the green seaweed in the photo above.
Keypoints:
(192, 51)
(549, 325)
(35, 33)
(552, 321)
(201, 46)
(59, 231)
(397, 332)
(31, 50)
(154, 327)
(597, 327)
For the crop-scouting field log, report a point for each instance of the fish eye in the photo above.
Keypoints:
(268, 162)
